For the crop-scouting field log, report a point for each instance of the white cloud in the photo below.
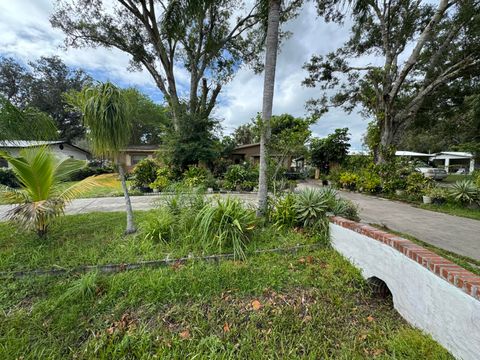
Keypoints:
(27, 35)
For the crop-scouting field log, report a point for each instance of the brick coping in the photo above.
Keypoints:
(463, 279)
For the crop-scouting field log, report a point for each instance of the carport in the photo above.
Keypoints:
(454, 160)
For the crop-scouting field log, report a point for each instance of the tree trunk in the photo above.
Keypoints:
(268, 87)
(130, 223)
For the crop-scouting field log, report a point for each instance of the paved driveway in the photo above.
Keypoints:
(453, 233)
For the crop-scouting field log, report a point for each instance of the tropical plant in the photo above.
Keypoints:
(348, 180)
(283, 214)
(345, 208)
(106, 114)
(159, 225)
(42, 196)
(196, 176)
(226, 224)
(416, 183)
(311, 206)
(145, 172)
(244, 176)
(464, 191)
(370, 182)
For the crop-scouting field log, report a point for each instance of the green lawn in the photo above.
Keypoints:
(305, 305)
(453, 209)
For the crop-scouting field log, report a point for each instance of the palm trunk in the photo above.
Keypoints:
(130, 223)
(268, 87)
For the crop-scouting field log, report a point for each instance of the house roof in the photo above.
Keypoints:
(246, 146)
(412, 153)
(141, 148)
(34, 143)
(452, 155)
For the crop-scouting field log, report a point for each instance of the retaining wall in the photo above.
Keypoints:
(430, 292)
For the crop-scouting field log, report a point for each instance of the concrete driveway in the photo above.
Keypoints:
(453, 233)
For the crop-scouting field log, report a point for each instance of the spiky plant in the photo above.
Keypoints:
(311, 206)
(42, 196)
(464, 191)
(226, 224)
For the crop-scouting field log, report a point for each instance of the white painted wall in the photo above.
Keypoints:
(425, 300)
(66, 152)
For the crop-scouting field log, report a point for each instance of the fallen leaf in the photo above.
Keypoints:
(376, 352)
(110, 330)
(256, 305)
(185, 334)
(301, 260)
(310, 259)
(370, 318)
(363, 337)
(226, 327)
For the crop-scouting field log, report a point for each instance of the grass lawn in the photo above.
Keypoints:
(453, 178)
(453, 209)
(305, 305)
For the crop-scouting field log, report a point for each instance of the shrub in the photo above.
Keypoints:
(227, 224)
(345, 208)
(145, 173)
(8, 178)
(348, 180)
(311, 207)
(370, 182)
(464, 191)
(284, 213)
(93, 168)
(416, 183)
(163, 180)
(197, 176)
(159, 225)
(244, 176)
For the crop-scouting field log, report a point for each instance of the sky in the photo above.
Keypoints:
(28, 35)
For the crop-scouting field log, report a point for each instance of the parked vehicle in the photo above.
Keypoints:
(432, 173)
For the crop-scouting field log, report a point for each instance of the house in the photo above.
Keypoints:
(62, 149)
(453, 161)
(251, 152)
(133, 154)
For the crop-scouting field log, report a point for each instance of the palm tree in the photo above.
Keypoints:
(268, 87)
(42, 195)
(107, 116)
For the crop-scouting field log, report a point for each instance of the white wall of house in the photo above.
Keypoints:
(68, 151)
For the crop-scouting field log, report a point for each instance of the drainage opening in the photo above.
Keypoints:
(379, 288)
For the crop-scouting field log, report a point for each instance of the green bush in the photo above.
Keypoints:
(8, 178)
(370, 182)
(284, 213)
(416, 183)
(93, 168)
(348, 180)
(145, 173)
(225, 225)
(243, 176)
(345, 208)
(464, 191)
(196, 176)
(159, 225)
(163, 180)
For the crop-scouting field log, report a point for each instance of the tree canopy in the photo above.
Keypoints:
(332, 149)
(41, 86)
(439, 42)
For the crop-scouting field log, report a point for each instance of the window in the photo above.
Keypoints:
(137, 158)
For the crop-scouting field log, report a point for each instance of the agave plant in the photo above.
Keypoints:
(464, 191)
(311, 206)
(41, 196)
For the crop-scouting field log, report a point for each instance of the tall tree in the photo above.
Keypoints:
(440, 43)
(151, 120)
(271, 49)
(204, 37)
(244, 134)
(24, 124)
(41, 86)
(331, 149)
(107, 115)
